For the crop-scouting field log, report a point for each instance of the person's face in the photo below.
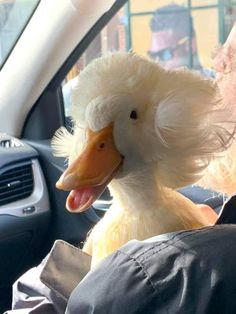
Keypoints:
(168, 50)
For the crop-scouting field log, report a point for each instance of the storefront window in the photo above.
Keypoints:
(173, 33)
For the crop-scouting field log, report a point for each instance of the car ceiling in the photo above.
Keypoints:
(54, 31)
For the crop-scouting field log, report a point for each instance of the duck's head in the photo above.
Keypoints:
(112, 147)
(130, 115)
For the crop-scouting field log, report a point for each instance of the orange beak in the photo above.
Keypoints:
(89, 174)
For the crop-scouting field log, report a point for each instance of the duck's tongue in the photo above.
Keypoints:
(81, 199)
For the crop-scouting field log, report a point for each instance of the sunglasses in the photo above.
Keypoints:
(167, 53)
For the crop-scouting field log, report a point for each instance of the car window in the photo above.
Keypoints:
(14, 15)
(172, 33)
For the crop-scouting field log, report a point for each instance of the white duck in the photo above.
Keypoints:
(144, 132)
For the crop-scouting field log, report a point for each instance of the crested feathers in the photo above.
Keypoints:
(68, 145)
(62, 142)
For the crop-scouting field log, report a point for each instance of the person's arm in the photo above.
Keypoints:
(45, 289)
(30, 294)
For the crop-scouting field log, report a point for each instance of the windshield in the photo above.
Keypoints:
(14, 15)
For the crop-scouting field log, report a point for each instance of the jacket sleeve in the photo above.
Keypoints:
(46, 288)
(30, 295)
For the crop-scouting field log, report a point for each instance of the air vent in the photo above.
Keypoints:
(16, 184)
(10, 143)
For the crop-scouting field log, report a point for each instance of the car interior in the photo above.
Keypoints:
(44, 45)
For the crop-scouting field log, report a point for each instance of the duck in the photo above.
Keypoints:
(143, 132)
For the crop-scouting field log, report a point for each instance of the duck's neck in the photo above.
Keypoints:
(143, 195)
(137, 192)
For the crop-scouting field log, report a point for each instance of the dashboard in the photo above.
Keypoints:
(24, 207)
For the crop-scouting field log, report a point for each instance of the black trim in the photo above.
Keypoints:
(49, 110)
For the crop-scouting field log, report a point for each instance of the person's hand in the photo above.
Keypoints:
(209, 213)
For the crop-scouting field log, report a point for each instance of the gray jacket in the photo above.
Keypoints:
(183, 272)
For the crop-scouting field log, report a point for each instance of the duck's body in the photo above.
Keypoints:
(144, 132)
(139, 212)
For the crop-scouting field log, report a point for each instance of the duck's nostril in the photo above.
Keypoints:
(102, 145)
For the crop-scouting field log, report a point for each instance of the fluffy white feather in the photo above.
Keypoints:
(62, 142)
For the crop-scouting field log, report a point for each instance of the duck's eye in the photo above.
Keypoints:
(133, 115)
